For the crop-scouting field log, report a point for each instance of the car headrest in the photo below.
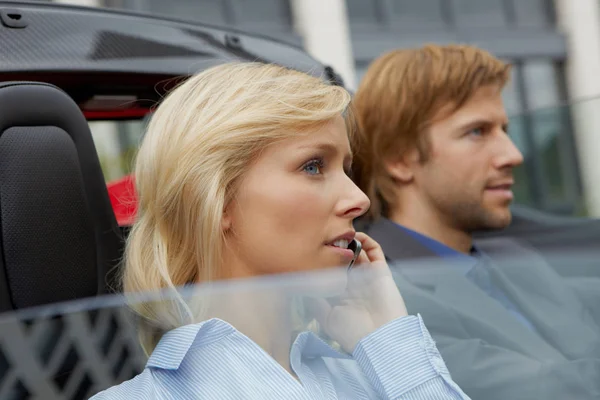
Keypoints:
(58, 233)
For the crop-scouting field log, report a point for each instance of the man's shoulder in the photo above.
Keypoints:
(509, 249)
(502, 246)
(517, 259)
(396, 243)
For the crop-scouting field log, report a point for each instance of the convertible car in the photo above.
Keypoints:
(74, 80)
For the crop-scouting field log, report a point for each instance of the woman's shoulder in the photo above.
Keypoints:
(140, 387)
(195, 346)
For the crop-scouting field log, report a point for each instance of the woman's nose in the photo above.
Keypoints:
(355, 202)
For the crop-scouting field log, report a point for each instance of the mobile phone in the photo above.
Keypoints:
(356, 247)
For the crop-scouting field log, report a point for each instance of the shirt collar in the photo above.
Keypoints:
(174, 345)
(309, 345)
(461, 261)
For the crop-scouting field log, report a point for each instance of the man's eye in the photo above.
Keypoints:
(313, 167)
(476, 132)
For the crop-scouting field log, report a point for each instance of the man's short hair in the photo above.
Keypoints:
(400, 95)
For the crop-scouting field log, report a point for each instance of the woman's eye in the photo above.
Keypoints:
(313, 167)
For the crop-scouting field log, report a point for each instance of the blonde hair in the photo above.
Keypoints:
(198, 143)
(400, 95)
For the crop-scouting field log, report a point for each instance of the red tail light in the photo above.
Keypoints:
(124, 200)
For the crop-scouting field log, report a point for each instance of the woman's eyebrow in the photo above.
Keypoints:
(329, 148)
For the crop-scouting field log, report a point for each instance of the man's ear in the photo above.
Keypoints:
(402, 167)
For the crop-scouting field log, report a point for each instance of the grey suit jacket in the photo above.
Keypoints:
(489, 353)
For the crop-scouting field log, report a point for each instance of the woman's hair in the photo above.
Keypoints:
(200, 141)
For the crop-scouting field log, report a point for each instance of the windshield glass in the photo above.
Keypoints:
(74, 350)
(510, 312)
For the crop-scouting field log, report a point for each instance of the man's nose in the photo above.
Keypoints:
(508, 154)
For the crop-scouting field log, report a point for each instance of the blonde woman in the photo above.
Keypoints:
(244, 172)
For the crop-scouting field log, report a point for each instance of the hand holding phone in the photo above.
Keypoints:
(370, 300)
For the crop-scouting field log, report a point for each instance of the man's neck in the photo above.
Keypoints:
(433, 227)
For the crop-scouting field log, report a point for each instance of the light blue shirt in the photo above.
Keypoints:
(213, 360)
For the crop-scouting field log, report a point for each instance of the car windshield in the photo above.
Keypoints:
(74, 350)
(516, 315)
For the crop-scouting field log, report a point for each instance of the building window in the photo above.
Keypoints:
(544, 134)
(540, 127)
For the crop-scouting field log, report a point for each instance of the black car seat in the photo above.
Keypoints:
(58, 234)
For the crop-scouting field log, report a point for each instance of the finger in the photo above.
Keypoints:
(362, 258)
(371, 250)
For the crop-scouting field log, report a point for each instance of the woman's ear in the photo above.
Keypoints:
(226, 220)
(402, 167)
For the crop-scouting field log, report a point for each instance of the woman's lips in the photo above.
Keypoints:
(343, 252)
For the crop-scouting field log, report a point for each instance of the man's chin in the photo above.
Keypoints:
(489, 220)
(499, 219)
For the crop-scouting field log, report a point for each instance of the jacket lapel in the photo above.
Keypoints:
(545, 298)
(439, 288)
(479, 315)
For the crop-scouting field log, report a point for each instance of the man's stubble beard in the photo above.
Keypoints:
(470, 216)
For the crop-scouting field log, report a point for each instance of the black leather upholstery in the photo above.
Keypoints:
(58, 234)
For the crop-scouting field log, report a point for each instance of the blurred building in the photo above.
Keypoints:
(553, 45)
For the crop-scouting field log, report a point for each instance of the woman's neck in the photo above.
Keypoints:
(261, 312)
(261, 315)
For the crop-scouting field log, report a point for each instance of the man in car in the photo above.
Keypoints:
(435, 158)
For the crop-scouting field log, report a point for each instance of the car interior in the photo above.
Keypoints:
(62, 227)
